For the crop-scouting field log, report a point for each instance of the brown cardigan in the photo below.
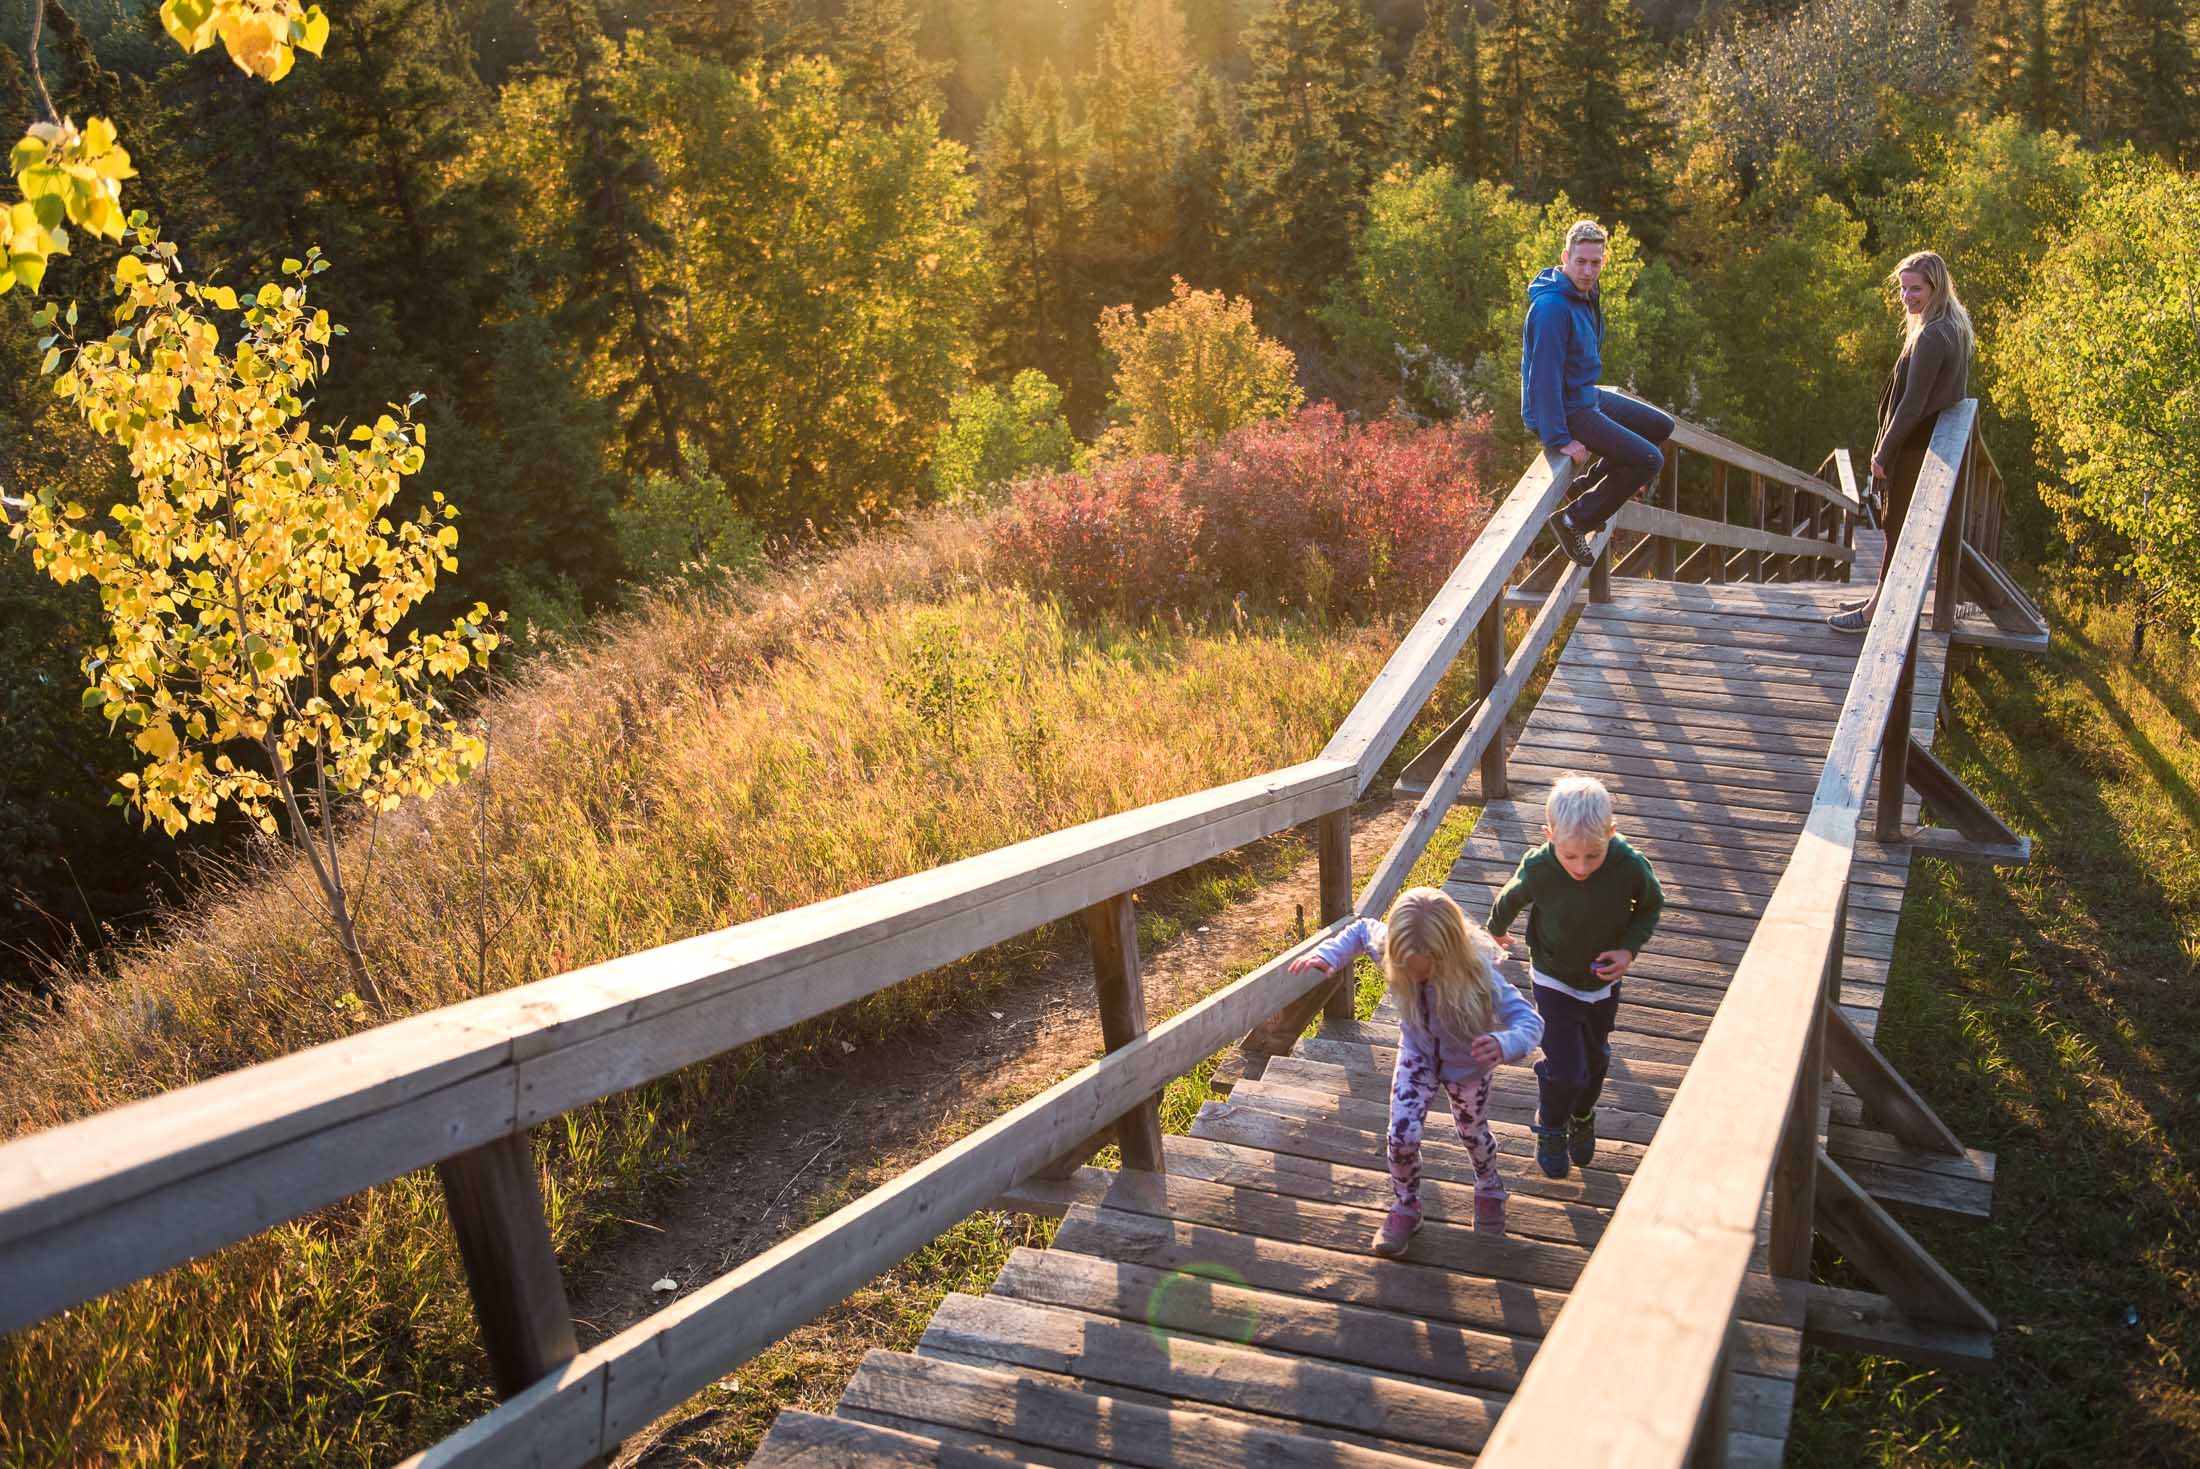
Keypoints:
(1931, 374)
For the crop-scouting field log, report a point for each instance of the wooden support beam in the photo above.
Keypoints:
(1894, 751)
(1600, 575)
(1641, 556)
(1952, 801)
(1863, 1321)
(511, 1265)
(1111, 927)
(1718, 488)
(1757, 519)
(1889, 1100)
(1333, 843)
(1670, 498)
(1947, 576)
(1715, 1425)
(1422, 768)
(1890, 1256)
(1489, 665)
(1954, 846)
(1795, 1166)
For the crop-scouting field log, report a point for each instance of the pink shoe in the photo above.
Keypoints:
(1489, 1213)
(1399, 1226)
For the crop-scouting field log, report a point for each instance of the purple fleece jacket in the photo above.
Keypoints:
(1519, 1028)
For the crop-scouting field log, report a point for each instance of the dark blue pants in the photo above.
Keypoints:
(1577, 1051)
(1626, 436)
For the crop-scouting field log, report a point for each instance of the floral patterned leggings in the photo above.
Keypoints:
(1412, 1086)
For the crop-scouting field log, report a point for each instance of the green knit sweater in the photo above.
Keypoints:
(1570, 922)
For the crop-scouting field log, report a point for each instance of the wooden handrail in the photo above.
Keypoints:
(1649, 1318)
(1703, 441)
(109, 1199)
(1652, 520)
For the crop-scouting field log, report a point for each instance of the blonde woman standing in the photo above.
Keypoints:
(1932, 373)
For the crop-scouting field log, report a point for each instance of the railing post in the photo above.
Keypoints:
(1718, 553)
(1795, 1169)
(1333, 840)
(1894, 751)
(1111, 928)
(1668, 559)
(1757, 518)
(1489, 665)
(511, 1265)
(1715, 1426)
(1948, 574)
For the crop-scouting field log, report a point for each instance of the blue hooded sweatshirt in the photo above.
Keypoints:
(1561, 355)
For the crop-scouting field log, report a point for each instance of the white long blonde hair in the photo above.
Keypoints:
(1942, 302)
(1462, 981)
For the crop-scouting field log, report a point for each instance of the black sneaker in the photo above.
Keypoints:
(1581, 1138)
(1570, 541)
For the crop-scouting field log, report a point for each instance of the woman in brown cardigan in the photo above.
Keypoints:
(1931, 374)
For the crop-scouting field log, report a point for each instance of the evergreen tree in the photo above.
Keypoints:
(731, 31)
(1131, 120)
(1210, 31)
(621, 302)
(1441, 119)
(1312, 114)
(1034, 210)
(2082, 81)
(1519, 64)
(2153, 70)
(2015, 66)
(1605, 138)
(881, 70)
(1202, 207)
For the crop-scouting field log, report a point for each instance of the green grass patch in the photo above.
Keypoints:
(2052, 1016)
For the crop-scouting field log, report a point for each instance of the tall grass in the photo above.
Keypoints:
(706, 761)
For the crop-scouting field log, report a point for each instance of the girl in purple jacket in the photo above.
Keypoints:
(1458, 1019)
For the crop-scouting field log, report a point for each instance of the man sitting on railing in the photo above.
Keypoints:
(1561, 354)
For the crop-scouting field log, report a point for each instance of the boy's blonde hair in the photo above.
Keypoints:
(1578, 806)
(1460, 998)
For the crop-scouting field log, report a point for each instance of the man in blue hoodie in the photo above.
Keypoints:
(1561, 353)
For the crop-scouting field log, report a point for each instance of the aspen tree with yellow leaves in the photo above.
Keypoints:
(254, 587)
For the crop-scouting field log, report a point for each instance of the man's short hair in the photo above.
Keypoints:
(1578, 806)
(1584, 232)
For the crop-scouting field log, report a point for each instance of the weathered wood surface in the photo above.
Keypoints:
(1238, 1291)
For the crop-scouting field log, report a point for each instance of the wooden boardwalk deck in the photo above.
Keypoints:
(1230, 1311)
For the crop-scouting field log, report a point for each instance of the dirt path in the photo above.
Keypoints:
(846, 1127)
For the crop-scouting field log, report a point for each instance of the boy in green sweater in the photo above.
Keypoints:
(1592, 903)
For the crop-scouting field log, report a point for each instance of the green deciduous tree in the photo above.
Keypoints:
(1435, 280)
(833, 275)
(1190, 371)
(998, 434)
(2108, 359)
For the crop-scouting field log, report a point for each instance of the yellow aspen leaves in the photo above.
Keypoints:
(66, 177)
(256, 588)
(262, 38)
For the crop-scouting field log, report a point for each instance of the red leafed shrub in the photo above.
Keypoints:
(1119, 538)
(1309, 512)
